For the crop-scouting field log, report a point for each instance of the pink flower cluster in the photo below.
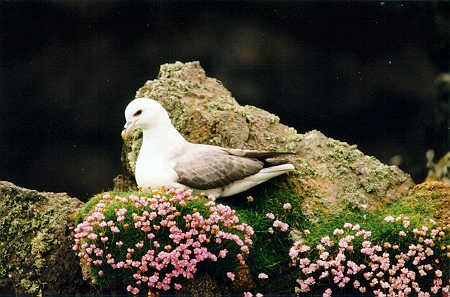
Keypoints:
(187, 238)
(277, 223)
(386, 270)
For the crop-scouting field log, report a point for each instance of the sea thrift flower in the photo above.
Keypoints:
(279, 224)
(270, 216)
(356, 227)
(347, 226)
(327, 293)
(385, 272)
(389, 219)
(230, 275)
(324, 255)
(287, 206)
(338, 232)
(223, 253)
(186, 240)
(263, 276)
(248, 294)
(406, 223)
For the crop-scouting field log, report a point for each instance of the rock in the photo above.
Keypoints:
(439, 195)
(331, 174)
(439, 171)
(35, 242)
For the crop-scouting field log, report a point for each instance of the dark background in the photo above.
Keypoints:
(360, 72)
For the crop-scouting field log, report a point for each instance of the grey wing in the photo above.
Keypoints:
(213, 169)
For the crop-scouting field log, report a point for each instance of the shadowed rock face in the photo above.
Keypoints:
(331, 175)
(35, 242)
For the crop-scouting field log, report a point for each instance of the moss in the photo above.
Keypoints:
(269, 253)
(202, 286)
(130, 236)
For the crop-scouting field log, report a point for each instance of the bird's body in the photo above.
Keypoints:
(166, 158)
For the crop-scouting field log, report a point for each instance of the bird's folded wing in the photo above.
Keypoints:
(203, 169)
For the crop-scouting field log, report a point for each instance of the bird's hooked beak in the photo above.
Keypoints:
(129, 127)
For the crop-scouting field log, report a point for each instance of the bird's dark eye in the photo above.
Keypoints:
(137, 113)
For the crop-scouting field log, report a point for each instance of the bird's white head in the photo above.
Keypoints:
(143, 113)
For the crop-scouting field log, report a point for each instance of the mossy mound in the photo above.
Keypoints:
(333, 175)
(269, 253)
(154, 241)
(36, 240)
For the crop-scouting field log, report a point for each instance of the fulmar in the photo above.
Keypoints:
(167, 159)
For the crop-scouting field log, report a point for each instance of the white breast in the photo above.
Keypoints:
(154, 169)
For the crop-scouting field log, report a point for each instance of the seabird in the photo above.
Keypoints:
(166, 158)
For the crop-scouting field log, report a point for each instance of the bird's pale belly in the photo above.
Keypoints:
(154, 175)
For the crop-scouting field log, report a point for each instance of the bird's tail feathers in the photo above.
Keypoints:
(255, 179)
(275, 169)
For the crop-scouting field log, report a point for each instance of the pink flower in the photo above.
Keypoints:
(248, 294)
(132, 290)
(283, 226)
(287, 206)
(326, 240)
(263, 276)
(347, 226)
(324, 274)
(338, 232)
(230, 275)
(327, 293)
(100, 273)
(245, 249)
(259, 295)
(356, 227)
(438, 273)
(135, 291)
(402, 233)
(177, 286)
(223, 253)
(389, 219)
(92, 236)
(270, 215)
(324, 255)
(121, 212)
(270, 230)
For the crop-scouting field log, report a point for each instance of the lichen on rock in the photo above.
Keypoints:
(36, 240)
(441, 170)
(332, 174)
